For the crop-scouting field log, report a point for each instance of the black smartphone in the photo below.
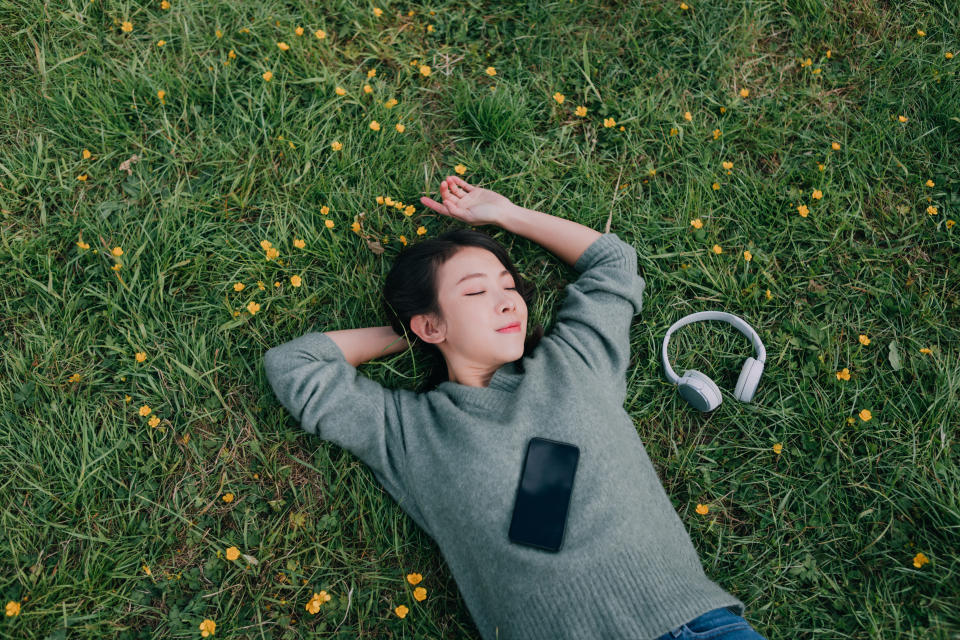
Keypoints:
(543, 494)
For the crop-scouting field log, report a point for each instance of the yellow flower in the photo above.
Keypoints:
(609, 122)
(402, 611)
(414, 578)
(340, 91)
(218, 33)
(324, 210)
(902, 118)
(461, 169)
(208, 627)
(367, 88)
(283, 46)
(253, 307)
(328, 224)
(13, 608)
(491, 71)
(716, 186)
(803, 210)
(932, 210)
(336, 146)
(424, 70)
(820, 166)
(581, 111)
(408, 210)
(164, 5)
(727, 165)
(154, 421)
(375, 125)
(268, 76)
(817, 194)
(126, 26)
(702, 509)
(420, 594)
(865, 415)
(747, 256)
(228, 497)
(687, 116)
(298, 31)
(744, 93)
(673, 131)
(921, 32)
(239, 286)
(400, 127)
(696, 223)
(232, 553)
(929, 183)
(82, 177)
(835, 146)
(919, 560)
(717, 133)
(864, 340)
(371, 73)
(559, 97)
(299, 244)
(777, 448)
(296, 281)
(843, 374)
(421, 230)
(160, 43)
(948, 55)
(717, 249)
(950, 224)
(140, 356)
(318, 599)
(391, 103)
(147, 571)
(161, 94)
(684, 6)
(377, 11)
(926, 350)
(723, 109)
(769, 295)
(320, 33)
(145, 410)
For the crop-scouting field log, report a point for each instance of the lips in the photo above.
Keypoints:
(510, 328)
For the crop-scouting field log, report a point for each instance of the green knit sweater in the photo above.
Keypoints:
(452, 458)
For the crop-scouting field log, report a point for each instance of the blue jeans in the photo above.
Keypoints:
(719, 624)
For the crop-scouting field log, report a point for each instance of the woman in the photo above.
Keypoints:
(451, 456)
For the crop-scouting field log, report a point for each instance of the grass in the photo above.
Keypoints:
(819, 540)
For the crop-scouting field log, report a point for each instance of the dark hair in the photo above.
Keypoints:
(410, 288)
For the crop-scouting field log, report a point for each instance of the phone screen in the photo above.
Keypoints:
(543, 494)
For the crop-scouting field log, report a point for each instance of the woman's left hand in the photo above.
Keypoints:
(468, 203)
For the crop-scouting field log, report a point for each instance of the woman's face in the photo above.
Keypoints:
(477, 296)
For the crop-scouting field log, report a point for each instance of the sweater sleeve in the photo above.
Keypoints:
(593, 323)
(329, 398)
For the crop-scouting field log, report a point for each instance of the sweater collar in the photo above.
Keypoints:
(504, 381)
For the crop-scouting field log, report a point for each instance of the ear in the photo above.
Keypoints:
(427, 328)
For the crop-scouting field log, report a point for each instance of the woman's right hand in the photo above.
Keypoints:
(468, 203)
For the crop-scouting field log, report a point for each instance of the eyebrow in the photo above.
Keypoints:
(479, 275)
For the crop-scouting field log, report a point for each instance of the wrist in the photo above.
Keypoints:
(509, 216)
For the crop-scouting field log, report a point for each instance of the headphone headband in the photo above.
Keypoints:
(740, 324)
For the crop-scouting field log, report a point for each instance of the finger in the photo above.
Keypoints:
(447, 191)
(463, 183)
(433, 204)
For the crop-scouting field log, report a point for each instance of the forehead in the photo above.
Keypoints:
(471, 260)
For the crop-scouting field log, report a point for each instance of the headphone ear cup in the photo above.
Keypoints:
(748, 380)
(699, 390)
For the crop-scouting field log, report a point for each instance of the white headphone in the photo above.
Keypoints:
(697, 388)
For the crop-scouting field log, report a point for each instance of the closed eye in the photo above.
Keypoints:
(479, 292)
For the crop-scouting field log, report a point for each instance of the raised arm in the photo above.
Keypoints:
(360, 345)
(565, 239)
